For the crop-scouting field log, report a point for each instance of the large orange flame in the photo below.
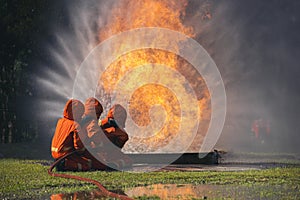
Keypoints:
(128, 15)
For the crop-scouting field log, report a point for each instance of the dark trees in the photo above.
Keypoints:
(21, 21)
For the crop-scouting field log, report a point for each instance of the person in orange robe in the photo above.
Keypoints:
(92, 135)
(100, 146)
(66, 139)
(114, 125)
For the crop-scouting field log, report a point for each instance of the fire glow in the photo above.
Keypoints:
(153, 105)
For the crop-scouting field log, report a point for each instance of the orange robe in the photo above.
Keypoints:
(66, 139)
(115, 131)
(100, 145)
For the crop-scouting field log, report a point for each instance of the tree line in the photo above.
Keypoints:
(21, 21)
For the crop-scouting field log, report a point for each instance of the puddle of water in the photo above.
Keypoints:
(82, 195)
(190, 191)
(172, 191)
(163, 191)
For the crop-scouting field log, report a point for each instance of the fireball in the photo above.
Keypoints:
(165, 97)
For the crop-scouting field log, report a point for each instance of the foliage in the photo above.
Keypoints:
(21, 23)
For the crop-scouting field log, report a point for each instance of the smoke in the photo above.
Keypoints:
(74, 36)
(253, 45)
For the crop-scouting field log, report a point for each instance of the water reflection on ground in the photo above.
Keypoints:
(190, 191)
(157, 191)
(82, 195)
(173, 191)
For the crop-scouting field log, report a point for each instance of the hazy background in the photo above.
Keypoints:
(255, 44)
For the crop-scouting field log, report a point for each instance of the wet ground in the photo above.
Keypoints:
(188, 192)
(201, 167)
(229, 162)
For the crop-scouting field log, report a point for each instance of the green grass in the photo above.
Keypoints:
(21, 179)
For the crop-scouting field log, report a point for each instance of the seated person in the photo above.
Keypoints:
(114, 125)
(66, 139)
(99, 145)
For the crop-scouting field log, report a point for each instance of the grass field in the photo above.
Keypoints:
(28, 179)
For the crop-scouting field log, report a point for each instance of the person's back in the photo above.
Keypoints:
(66, 139)
(100, 146)
(94, 137)
(114, 124)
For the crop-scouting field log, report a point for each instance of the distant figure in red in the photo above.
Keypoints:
(255, 128)
(114, 125)
(261, 129)
(66, 139)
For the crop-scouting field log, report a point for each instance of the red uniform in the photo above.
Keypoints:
(261, 128)
(255, 128)
(66, 138)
